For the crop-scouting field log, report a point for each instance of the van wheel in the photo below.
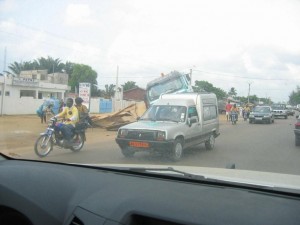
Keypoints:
(127, 152)
(177, 151)
(210, 143)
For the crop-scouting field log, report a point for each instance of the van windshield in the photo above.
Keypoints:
(165, 113)
(168, 86)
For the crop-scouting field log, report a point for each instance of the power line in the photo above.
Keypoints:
(243, 77)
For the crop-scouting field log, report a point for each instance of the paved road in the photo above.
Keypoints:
(263, 147)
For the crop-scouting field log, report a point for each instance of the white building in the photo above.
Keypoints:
(24, 94)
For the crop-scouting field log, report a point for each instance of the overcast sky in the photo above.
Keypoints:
(230, 43)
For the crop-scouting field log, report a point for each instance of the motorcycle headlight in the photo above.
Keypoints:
(123, 133)
(161, 136)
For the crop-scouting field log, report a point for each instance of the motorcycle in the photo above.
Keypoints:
(51, 137)
(245, 115)
(234, 117)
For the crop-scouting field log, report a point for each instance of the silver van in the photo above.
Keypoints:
(173, 123)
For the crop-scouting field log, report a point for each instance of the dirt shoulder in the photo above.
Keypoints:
(19, 133)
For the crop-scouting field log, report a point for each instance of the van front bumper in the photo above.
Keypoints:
(145, 144)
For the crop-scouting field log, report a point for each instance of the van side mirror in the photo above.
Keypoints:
(191, 121)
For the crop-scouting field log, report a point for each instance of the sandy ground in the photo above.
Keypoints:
(21, 132)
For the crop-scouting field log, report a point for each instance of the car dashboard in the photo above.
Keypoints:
(53, 193)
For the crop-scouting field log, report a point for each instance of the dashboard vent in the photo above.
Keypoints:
(76, 221)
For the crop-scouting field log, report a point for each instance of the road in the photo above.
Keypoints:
(262, 147)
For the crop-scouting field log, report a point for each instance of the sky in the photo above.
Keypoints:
(232, 43)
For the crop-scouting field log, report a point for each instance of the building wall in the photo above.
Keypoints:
(136, 94)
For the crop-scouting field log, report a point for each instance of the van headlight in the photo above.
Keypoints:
(123, 133)
(161, 136)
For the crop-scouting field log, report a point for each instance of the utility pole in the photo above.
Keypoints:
(249, 92)
(4, 83)
(191, 72)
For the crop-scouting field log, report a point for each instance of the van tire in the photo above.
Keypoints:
(127, 152)
(210, 143)
(177, 150)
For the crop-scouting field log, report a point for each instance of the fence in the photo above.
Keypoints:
(29, 105)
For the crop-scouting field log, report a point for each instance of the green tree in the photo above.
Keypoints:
(16, 68)
(208, 87)
(129, 85)
(294, 98)
(232, 92)
(49, 64)
(109, 91)
(83, 74)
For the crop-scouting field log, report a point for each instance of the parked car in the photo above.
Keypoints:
(297, 131)
(173, 123)
(262, 114)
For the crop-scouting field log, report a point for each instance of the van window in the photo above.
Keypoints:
(192, 112)
(209, 112)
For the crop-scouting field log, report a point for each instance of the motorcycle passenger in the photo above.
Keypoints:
(234, 110)
(83, 111)
(70, 116)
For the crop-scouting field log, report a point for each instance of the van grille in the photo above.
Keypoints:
(141, 135)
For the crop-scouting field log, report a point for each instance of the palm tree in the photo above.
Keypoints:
(16, 68)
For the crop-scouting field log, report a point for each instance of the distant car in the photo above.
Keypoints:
(280, 110)
(261, 114)
(290, 112)
(297, 132)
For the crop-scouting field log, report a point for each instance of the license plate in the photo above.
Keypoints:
(137, 144)
(258, 118)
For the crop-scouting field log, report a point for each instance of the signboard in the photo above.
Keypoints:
(28, 82)
(85, 93)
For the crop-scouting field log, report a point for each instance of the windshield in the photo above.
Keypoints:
(74, 77)
(262, 109)
(165, 113)
(167, 87)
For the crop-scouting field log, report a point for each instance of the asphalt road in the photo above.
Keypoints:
(262, 147)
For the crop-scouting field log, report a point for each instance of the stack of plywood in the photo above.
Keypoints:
(115, 120)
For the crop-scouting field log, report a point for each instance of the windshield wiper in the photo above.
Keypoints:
(168, 169)
(167, 119)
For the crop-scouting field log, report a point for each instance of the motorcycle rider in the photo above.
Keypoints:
(70, 116)
(234, 110)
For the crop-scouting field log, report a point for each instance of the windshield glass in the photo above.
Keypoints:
(74, 78)
(165, 113)
(261, 109)
(167, 87)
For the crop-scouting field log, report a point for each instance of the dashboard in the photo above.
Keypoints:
(42, 193)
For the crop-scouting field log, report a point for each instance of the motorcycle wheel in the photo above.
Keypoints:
(43, 145)
(78, 142)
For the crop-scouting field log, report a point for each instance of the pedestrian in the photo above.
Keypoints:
(41, 111)
(61, 105)
(228, 109)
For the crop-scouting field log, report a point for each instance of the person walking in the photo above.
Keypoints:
(228, 110)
